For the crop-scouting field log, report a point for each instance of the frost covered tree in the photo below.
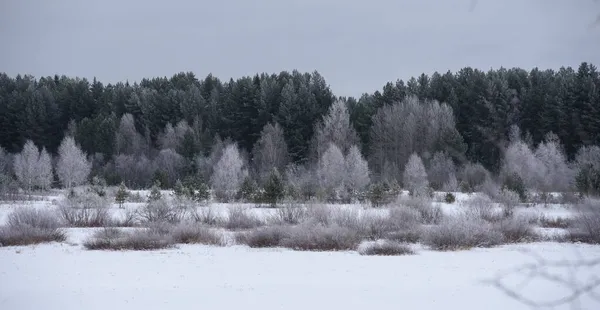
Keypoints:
(335, 128)
(270, 151)
(331, 169)
(415, 176)
(129, 141)
(519, 160)
(44, 176)
(229, 173)
(441, 171)
(26, 165)
(5, 162)
(167, 138)
(412, 126)
(73, 167)
(171, 164)
(557, 175)
(587, 165)
(357, 171)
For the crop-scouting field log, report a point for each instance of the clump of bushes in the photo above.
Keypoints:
(385, 248)
(265, 237)
(460, 233)
(586, 224)
(321, 238)
(27, 226)
(291, 214)
(138, 240)
(85, 210)
(449, 198)
(193, 233)
(240, 218)
(159, 210)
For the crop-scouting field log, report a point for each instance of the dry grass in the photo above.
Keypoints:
(385, 248)
(461, 232)
(31, 226)
(194, 233)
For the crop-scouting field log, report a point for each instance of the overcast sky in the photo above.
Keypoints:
(357, 45)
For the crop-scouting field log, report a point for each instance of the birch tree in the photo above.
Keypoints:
(72, 168)
(26, 165)
(415, 176)
(44, 170)
(270, 151)
(331, 169)
(229, 173)
(335, 128)
(357, 171)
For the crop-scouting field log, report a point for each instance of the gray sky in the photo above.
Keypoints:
(357, 46)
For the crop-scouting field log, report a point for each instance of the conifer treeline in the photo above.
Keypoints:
(485, 106)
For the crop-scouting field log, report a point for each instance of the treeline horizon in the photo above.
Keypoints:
(468, 115)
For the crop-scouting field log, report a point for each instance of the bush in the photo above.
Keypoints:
(516, 184)
(449, 198)
(481, 207)
(405, 235)
(321, 238)
(117, 239)
(240, 218)
(321, 214)
(430, 214)
(265, 237)
(31, 226)
(189, 233)
(291, 214)
(206, 216)
(85, 210)
(555, 222)
(509, 201)
(461, 233)
(385, 248)
(160, 211)
(586, 224)
(516, 230)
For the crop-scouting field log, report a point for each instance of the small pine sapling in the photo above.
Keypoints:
(121, 195)
(274, 188)
(155, 192)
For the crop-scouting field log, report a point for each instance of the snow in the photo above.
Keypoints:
(66, 276)
(60, 276)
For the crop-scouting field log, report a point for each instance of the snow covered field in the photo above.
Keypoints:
(67, 276)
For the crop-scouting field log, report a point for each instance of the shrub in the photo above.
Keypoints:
(372, 226)
(206, 216)
(405, 235)
(265, 237)
(85, 210)
(481, 207)
(516, 184)
(291, 214)
(554, 222)
(509, 201)
(31, 226)
(586, 224)
(449, 198)
(321, 238)
(430, 214)
(121, 195)
(189, 233)
(321, 214)
(461, 233)
(240, 218)
(385, 248)
(516, 230)
(117, 239)
(160, 211)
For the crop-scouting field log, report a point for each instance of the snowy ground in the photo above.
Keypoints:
(66, 276)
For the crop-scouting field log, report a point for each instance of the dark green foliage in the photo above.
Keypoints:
(514, 183)
(121, 195)
(155, 194)
(588, 180)
(98, 186)
(248, 190)
(449, 198)
(274, 189)
(485, 105)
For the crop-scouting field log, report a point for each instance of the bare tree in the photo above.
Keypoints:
(5, 162)
(128, 140)
(168, 139)
(331, 170)
(135, 171)
(170, 163)
(441, 171)
(335, 128)
(229, 173)
(557, 175)
(25, 165)
(270, 151)
(520, 160)
(72, 168)
(44, 170)
(357, 171)
(415, 176)
(412, 126)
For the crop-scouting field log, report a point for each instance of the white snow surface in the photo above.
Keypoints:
(62, 276)
(66, 276)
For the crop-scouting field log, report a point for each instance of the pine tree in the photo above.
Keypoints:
(274, 188)
(155, 192)
(121, 195)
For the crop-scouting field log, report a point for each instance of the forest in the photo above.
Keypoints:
(537, 129)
